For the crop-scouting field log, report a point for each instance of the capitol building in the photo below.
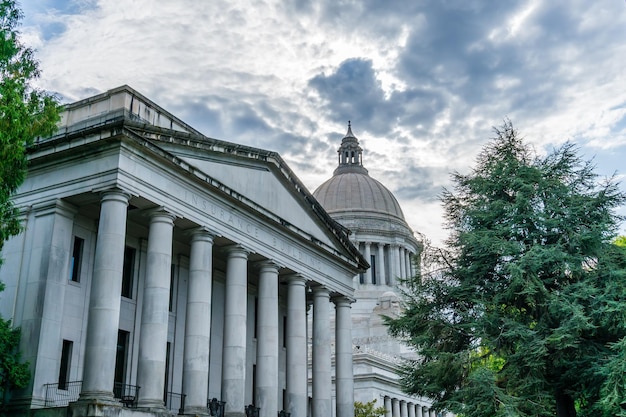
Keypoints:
(380, 232)
(162, 272)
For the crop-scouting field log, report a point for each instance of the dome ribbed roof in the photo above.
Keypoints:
(351, 189)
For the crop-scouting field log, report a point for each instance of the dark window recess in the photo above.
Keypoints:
(373, 268)
(168, 348)
(66, 359)
(128, 270)
(284, 331)
(77, 258)
(121, 356)
(256, 315)
(253, 384)
(171, 306)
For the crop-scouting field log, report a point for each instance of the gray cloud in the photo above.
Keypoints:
(423, 82)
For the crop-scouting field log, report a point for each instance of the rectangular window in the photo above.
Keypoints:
(121, 356)
(256, 315)
(168, 348)
(284, 331)
(254, 384)
(172, 288)
(77, 258)
(66, 360)
(373, 268)
(128, 270)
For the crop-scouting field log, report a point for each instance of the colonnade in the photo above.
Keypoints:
(104, 311)
(395, 407)
(399, 265)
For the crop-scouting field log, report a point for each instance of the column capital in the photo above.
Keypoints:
(114, 193)
(237, 251)
(160, 214)
(57, 206)
(295, 278)
(201, 234)
(319, 289)
(267, 265)
(341, 300)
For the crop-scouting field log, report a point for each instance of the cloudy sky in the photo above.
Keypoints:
(423, 82)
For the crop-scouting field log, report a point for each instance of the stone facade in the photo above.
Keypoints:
(159, 269)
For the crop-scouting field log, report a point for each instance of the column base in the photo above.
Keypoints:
(154, 407)
(196, 411)
(95, 407)
(234, 414)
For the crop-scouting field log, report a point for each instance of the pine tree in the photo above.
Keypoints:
(524, 315)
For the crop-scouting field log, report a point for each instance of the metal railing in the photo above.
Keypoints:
(127, 394)
(61, 395)
(175, 401)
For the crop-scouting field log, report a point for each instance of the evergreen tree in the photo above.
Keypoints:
(25, 113)
(524, 314)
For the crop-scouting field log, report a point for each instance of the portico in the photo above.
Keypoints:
(220, 246)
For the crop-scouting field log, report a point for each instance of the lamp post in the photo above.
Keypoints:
(252, 411)
(216, 407)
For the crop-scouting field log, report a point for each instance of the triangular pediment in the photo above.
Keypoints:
(260, 182)
(257, 180)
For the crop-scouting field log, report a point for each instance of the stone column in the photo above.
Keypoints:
(368, 257)
(407, 256)
(198, 323)
(235, 320)
(402, 262)
(344, 376)
(104, 300)
(297, 395)
(322, 382)
(395, 407)
(266, 396)
(155, 312)
(418, 409)
(411, 408)
(393, 264)
(382, 279)
(45, 272)
(403, 409)
(387, 406)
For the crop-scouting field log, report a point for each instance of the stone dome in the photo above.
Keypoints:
(352, 191)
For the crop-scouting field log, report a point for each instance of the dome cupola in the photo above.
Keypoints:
(351, 189)
(350, 155)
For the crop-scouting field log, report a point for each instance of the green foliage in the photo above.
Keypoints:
(620, 241)
(25, 113)
(523, 314)
(13, 373)
(368, 409)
